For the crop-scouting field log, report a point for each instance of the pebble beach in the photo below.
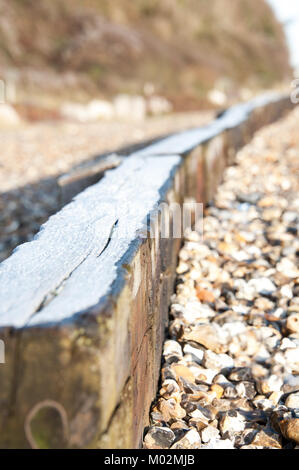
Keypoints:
(230, 371)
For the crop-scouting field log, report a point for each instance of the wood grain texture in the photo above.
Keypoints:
(72, 247)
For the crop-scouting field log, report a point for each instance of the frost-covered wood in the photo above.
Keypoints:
(83, 307)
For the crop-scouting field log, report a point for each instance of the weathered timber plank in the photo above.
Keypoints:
(73, 242)
(84, 306)
(81, 346)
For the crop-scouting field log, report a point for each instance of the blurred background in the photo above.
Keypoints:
(57, 50)
(287, 12)
(79, 78)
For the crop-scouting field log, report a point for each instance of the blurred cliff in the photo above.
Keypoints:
(192, 52)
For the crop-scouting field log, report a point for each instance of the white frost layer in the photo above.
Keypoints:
(66, 254)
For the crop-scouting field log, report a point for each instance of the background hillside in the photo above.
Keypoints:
(82, 48)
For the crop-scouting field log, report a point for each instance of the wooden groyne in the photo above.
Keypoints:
(84, 306)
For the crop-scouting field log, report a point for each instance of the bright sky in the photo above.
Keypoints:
(287, 11)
